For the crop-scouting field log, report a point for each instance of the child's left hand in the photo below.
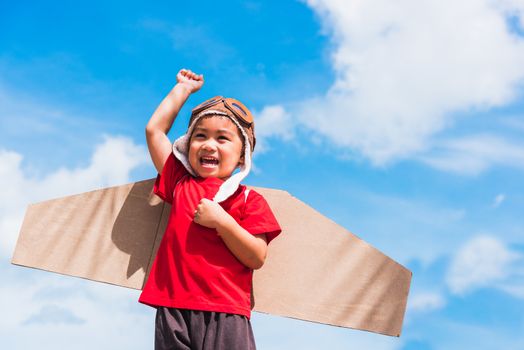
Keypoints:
(210, 214)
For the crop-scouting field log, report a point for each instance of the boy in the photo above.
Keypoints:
(218, 231)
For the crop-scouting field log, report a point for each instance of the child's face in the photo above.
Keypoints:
(215, 147)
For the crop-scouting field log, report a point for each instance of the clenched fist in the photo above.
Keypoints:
(210, 214)
(191, 81)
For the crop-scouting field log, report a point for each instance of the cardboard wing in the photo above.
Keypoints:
(315, 270)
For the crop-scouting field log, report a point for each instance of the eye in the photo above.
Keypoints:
(223, 138)
(199, 135)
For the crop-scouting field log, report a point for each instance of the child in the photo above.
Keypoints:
(218, 231)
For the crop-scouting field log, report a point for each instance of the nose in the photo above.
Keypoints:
(209, 145)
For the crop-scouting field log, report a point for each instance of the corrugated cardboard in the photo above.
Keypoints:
(315, 270)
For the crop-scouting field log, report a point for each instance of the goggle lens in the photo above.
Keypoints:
(238, 107)
(206, 104)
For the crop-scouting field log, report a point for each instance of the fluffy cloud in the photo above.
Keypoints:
(428, 301)
(474, 154)
(110, 164)
(86, 314)
(51, 310)
(403, 68)
(483, 261)
(272, 121)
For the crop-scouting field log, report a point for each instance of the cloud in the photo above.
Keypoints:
(51, 310)
(93, 315)
(277, 333)
(54, 314)
(499, 198)
(404, 69)
(484, 261)
(111, 164)
(425, 302)
(272, 121)
(513, 9)
(472, 155)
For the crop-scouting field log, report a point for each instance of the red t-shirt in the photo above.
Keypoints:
(193, 268)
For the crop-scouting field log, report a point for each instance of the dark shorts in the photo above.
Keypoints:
(201, 330)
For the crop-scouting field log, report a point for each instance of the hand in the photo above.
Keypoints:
(191, 81)
(210, 214)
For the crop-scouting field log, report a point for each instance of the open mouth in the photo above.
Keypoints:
(208, 162)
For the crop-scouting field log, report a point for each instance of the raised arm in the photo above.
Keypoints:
(162, 119)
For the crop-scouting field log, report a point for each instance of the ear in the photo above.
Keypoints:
(241, 160)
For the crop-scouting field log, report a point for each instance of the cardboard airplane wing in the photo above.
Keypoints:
(315, 270)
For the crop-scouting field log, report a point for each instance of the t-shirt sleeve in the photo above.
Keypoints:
(258, 217)
(172, 172)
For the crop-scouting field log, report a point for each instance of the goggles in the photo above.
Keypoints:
(236, 107)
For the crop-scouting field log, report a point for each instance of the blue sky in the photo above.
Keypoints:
(401, 121)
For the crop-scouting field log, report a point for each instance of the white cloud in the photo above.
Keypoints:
(499, 198)
(514, 288)
(110, 164)
(92, 315)
(472, 155)
(272, 121)
(425, 302)
(484, 261)
(403, 68)
(55, 314)
(277, 333)
(54, 311)
(512, 8)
